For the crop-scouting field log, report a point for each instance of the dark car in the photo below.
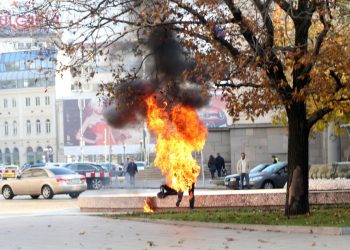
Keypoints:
(232, 181)
(96, 175)
(274, 176)
(31, 165)
(115, 169)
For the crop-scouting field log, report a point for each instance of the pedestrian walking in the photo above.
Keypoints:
(212, 166)
(220, 164)
(243, 170)
(132, 170)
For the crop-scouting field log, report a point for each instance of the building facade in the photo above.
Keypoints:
(27, 99)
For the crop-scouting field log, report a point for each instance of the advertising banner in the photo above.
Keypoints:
(83, 120)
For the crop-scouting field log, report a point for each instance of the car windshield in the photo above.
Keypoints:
(258, 168)
(99, 167)
(274, 167)
(61, 171)
(140, 163)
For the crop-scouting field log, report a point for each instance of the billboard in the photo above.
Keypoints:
(12, 23)
(214, 115)
(83, 121)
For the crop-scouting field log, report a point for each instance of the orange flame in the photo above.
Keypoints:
(147, 208)
(178, 135)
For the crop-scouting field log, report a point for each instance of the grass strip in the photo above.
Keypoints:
(318, 216)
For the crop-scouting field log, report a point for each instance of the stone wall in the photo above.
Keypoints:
(329, 171)
(260, 141)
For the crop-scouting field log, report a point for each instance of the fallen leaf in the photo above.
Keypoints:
(313, 244)
(150, 243)
(230, 239)
(262, 241)
(82, 233)
(180, 241)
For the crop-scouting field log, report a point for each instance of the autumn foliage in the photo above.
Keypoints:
(285, 55)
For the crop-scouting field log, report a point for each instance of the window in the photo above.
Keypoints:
(5, 103)
(6, 125)
(14, 128)
(48, 126)
(47, 100)
(30, 155)
(14, 103)
(27, 174)
(39, 173)
(37, 101)
(61, 171)
(15, 156)
(29, 127)
(38, 127)
(27, 101)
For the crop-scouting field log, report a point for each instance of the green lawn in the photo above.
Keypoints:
(320, 216)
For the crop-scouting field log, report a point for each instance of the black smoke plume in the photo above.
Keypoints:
(167, 85)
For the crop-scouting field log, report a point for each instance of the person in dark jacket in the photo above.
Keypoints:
(220, 164)
(132, 170)
(212, 166)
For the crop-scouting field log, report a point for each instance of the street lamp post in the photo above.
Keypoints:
(124, 153)
(81, 105)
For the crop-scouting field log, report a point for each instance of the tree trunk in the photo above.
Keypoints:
(297, 199)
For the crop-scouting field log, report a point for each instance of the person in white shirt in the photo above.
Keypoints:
(243, 170)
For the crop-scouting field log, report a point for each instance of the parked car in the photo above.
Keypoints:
(274, 176)
(232, 181)
(114, 168)
(44, 181)
(8, 171)
(31, 165)
(140, 165)
(96, 175)
(55, 164)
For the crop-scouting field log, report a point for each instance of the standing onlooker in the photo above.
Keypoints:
(243, 170)
(274, 159)
(212, 166)
(132, 170)
(220, 164)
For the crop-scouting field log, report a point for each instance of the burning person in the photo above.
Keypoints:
(190, 199)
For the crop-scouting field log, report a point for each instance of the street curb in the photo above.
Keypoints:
(247, 227)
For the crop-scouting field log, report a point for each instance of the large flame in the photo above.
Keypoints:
(179, 133)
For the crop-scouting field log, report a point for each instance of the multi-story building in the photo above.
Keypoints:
(27, 97)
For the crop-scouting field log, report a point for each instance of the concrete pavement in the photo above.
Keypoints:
(88, 232)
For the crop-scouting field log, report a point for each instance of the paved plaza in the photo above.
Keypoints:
(57, 224)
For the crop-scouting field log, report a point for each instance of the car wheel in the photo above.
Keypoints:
(7, 193)
(268, 185)
(35, 196)
(47, 192)
(74, 195)
(96, 184)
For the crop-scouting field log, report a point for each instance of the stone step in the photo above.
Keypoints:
(154, 173)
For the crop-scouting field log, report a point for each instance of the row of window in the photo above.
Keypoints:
(37, 101)
(28, 101)
(9, 157)
(28, 127)
(26, 83)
